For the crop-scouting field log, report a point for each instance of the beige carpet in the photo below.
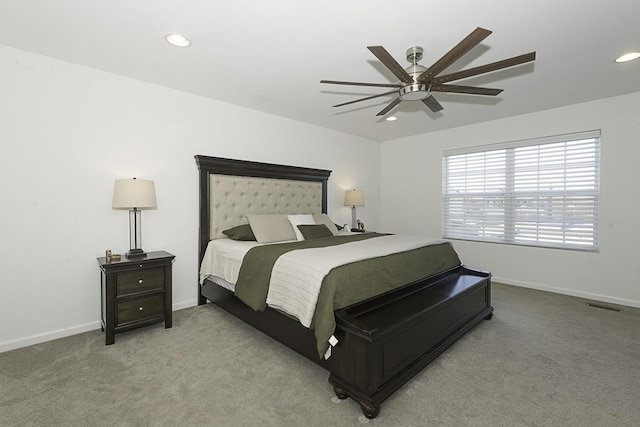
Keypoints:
(543, 360)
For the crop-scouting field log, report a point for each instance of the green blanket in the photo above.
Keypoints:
(346, 284)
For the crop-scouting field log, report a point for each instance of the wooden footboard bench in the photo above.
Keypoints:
(383, 343)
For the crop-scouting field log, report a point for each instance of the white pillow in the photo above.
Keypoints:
(303, 219)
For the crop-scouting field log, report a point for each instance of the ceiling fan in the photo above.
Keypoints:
(417, 83)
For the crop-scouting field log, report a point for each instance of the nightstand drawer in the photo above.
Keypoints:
(144, 279)
(139, 309)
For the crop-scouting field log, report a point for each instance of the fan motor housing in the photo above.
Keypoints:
(414, 92)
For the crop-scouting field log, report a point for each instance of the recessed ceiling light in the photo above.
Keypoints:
(628, 57)
(178, 40)
(391, 119)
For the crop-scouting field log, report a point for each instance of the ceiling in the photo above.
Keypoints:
(271, 55)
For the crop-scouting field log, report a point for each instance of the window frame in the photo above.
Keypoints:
(492, 193)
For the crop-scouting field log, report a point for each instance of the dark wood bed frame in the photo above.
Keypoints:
(384, 341)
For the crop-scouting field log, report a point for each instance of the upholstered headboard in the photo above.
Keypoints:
(232, 198)
(230, 189)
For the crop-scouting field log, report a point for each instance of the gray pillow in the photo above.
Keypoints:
(271, 228)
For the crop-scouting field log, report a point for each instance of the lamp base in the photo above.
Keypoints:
(136, 254)
(354, 224)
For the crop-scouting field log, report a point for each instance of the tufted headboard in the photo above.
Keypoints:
(230, 189)
(232, 198)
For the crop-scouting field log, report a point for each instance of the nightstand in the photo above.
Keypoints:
(135, 292)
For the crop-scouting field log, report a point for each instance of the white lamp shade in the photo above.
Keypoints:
(354, 198)
(134, 193)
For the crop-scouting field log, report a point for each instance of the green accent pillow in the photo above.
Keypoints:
(315, 231)
(240, 232)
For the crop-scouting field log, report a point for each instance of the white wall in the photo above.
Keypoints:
(67, 132)
(411, 169)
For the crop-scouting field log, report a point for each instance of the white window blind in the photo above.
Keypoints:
(540, 192)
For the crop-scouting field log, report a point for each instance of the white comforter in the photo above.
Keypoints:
(223, 259)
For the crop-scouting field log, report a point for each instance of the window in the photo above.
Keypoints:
(539, 192)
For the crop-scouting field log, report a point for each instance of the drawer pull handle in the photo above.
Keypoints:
(140, 309)
(140, 282)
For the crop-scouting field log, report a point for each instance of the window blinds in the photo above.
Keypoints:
(540, 192)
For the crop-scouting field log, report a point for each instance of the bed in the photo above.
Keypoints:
(378, 342)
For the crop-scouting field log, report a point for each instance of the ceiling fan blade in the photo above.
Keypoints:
(505, 63)
(388, 61)
(432, 103)
(367, 98)
(466, 89)
(468, 43)
(334, 82)
(389, 107)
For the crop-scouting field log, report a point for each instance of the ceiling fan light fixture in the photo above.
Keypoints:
(178, 40)
(416, 83)
(628, 57)
(414, 92)
(391, 119)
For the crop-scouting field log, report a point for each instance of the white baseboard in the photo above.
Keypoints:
(73, 330)
(48, 336)
(570, 292)
(185, 304)
(61, 333)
